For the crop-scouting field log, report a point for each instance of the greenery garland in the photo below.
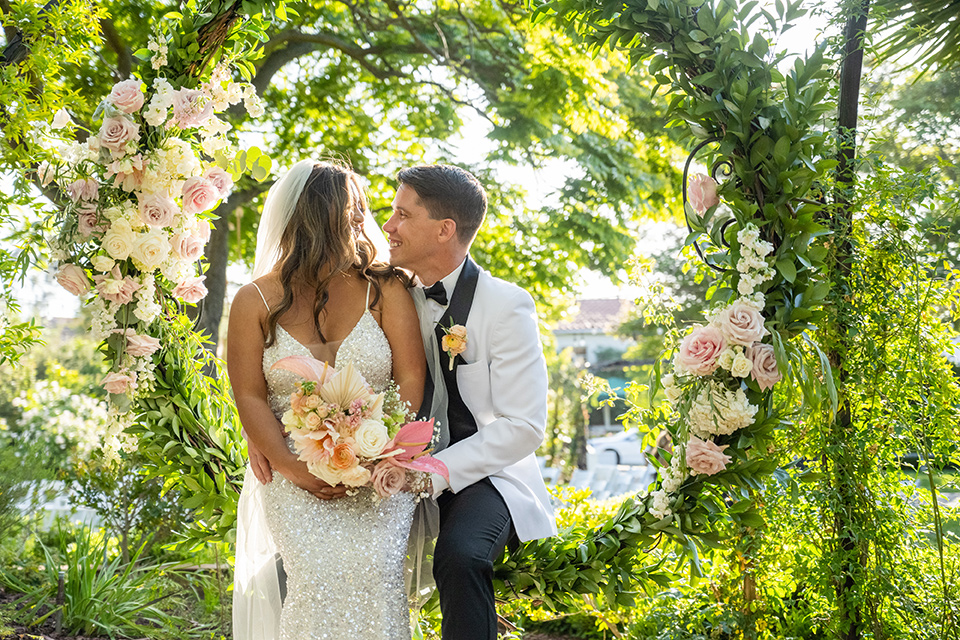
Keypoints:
(763, 129)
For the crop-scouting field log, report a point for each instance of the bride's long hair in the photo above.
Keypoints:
(318, 242)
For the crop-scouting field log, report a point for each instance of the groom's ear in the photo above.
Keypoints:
(448, 230)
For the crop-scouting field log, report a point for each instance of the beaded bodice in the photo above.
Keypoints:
(365, 346)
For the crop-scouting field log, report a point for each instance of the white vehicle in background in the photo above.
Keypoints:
(625, 448)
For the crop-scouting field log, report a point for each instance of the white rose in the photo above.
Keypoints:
(741, 366)
(151, 250)
(103, 264)
(61, 119)
(326, 473)
(371, 437)
(356, 476)
(120, 240)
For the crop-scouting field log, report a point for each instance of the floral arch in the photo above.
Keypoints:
(760, 228)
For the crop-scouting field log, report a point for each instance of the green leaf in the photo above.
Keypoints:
(787, 269)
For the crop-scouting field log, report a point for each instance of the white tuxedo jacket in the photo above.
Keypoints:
(504, 385)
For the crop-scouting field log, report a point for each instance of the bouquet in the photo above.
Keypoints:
(349, 435)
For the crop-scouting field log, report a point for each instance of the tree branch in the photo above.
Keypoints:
(116, 44)
(8, 30)
(16, 50)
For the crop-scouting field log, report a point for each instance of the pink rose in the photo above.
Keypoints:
(140, 346)
(702, 193)
(220, 179)
(83, 189)
(388, 478)
(116, 132)
(187, 247)
(88, 220)
(115, 287)
(741, 324)
(706, 457)
(126, 96)
(73, 279)
(116, 383)
(190, 108)
(199, 194)
(700, 349)
(765, 370)
(158, 210)
(203, 231)
(191, 290)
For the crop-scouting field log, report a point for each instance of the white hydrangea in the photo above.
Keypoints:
(660, 508)
(718, 411)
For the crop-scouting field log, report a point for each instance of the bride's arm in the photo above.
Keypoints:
(400, 324)
(245, 367)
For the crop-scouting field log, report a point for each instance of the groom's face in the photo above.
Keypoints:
(413, 234)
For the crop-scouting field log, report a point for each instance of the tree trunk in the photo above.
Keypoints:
(218, 255)
(849, 555)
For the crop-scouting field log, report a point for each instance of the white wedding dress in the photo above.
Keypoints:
(343, 558)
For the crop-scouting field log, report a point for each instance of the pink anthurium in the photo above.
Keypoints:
(410, 443)
(306, 367)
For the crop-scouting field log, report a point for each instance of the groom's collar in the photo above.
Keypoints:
(450, 280)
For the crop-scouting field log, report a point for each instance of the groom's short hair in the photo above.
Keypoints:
(449, 192)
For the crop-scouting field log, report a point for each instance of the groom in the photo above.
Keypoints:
(492, 397)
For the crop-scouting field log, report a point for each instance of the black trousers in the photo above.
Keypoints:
(475, 527)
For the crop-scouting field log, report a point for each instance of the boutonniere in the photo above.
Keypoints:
(454, 341)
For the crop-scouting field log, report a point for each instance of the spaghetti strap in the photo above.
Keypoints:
(366, 302)
(261, 295)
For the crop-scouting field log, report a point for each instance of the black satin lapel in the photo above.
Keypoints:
(459, 308)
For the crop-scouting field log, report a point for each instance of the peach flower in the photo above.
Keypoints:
(343, 456)
(454, 341)
(705, 457)
(700, 349)
(356, 476)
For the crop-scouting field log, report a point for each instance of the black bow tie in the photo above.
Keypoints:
(436, 292)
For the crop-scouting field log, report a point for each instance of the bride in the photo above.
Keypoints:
(318, 291)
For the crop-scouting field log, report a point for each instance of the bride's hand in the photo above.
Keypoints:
(258, 462)
(299, 476)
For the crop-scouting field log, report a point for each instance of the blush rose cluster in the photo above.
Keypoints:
(716, 370)
(139, 200)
